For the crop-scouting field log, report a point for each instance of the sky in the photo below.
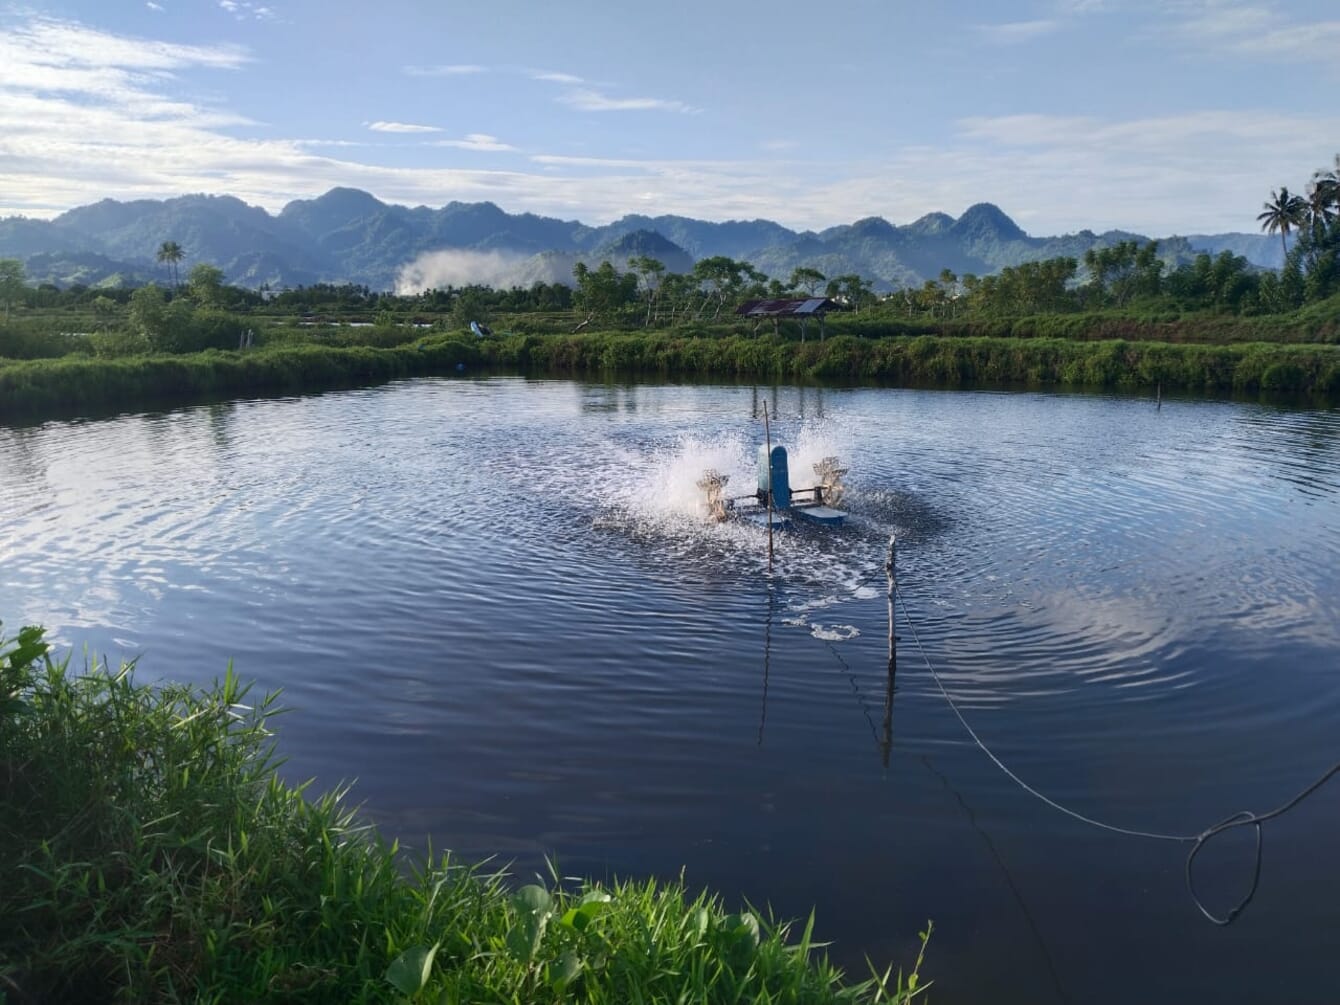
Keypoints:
(1156, 116)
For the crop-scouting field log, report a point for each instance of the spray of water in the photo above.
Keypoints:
(664, 485)
(655, 498)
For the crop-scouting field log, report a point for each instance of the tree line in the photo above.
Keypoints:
(1127, 276)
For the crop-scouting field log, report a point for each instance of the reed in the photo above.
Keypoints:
(79, 385)
(151, 853)
(1315, 323)
(940, 360)
(36, 340)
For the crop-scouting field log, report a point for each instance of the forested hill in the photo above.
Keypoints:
(348, 235)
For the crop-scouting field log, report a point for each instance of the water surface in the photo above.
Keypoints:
(491, 602)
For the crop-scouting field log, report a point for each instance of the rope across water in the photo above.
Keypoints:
(1244, 818)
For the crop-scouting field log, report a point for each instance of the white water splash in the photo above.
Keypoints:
(663, 483)
(834, 633)
(651, 493)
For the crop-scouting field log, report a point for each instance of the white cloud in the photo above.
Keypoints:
(1014, 32)
(153, 6)
(555, 77)
(306, 143)
(400, 127)
(448, 70)
(586, 99)
(1066, 12)
(1320, 41)
(85, 114)
(244, 10)
(1189, 173)
(567, 160)
(1253, 29)
(478, 141)
(47, 42)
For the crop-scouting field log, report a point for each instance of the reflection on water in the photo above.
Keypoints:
(493, 603)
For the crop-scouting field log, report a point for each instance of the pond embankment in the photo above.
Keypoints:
(34, 389)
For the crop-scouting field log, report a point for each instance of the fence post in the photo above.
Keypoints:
(890, 569)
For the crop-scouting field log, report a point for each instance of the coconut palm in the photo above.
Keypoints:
(1321, 201)
(170, 252)
(1283, 213)
(1324, 193)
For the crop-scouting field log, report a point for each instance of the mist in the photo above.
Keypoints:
(438, 269)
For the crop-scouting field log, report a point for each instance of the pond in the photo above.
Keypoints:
(492, 603)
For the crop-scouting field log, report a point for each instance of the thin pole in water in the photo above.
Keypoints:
(890, 570)
(1160, 399)
(767, 436)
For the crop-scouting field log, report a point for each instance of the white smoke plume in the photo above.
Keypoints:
(439, 269)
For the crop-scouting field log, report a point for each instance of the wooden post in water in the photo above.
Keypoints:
(1160, 393)
(767, 436)
(886, 743)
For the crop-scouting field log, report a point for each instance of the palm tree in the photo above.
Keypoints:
(1283, 213)
(1324, 193)
(170, 252)
(1321, 200)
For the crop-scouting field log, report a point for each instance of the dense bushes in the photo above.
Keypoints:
(29, 341)
(936, 360)
(150, 853)
(75, 384)
(1319, 323)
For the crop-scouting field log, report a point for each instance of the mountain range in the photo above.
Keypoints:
(349, 236)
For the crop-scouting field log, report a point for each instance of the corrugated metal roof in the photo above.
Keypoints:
(784, 307)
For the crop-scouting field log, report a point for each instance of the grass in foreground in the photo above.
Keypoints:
(150, 853)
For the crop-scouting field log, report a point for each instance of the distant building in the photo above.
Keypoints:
(799, 309)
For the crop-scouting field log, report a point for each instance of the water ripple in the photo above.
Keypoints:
(495, 603)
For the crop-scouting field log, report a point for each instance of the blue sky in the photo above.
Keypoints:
(1164, 117)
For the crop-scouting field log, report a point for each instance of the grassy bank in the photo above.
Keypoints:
(72, 385)
(1314, 324)
(941, 361)
(150, 853)
(41, 388)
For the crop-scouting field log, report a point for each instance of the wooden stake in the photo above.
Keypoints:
(767, 436)
(890, 570)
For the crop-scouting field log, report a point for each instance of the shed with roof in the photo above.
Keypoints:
(779, 308)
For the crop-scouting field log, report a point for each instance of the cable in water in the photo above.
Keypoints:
(1243, 818)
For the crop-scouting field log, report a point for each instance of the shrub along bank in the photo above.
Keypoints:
(36, 388)
(1314, 324)
(72, 385)
(939, 360)
(150, 853)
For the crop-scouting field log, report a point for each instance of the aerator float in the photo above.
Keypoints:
(776, 502)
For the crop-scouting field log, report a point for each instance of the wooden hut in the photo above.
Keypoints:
(801, 310)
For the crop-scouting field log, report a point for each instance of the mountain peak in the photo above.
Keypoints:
(344, 202)
(345, 193)
(642, 242)
(931, 223)
(873, 226)
(646, 243)
(985, 218)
